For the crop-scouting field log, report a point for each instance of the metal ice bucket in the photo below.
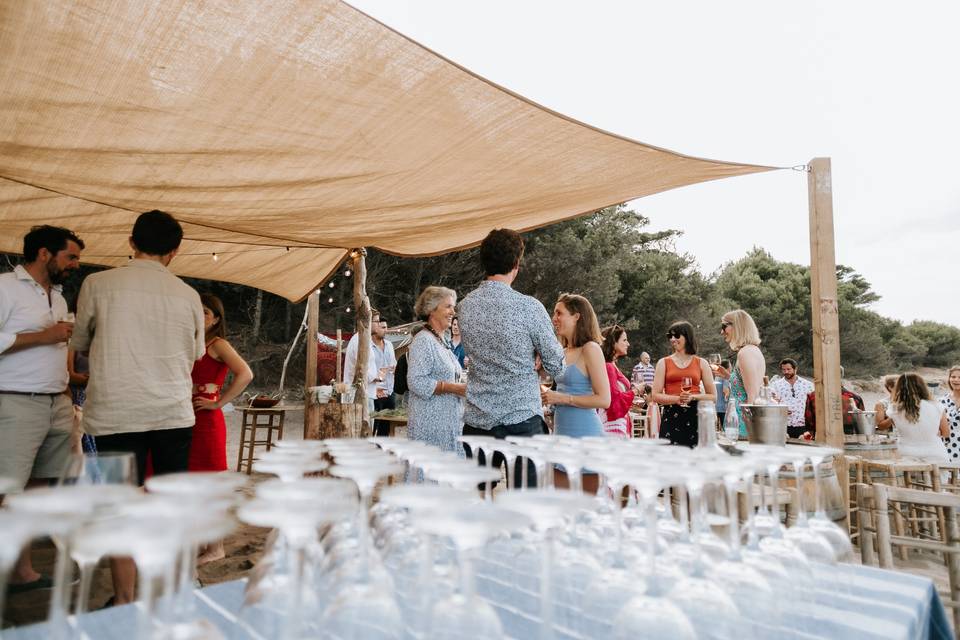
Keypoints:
(766, 423)
(864, 422)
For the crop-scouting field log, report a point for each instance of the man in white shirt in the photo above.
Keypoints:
(381, 364)
(144, 329)
(792, 391)
(36, 417)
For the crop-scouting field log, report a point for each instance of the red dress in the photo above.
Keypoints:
(208, 450)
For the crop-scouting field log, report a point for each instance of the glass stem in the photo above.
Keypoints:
(733, 531)
(752, 541)
(650, 509)
(821, 514)
(694, 506)
(682, 506)
(188, 569)
(4, 577)
(426, 582)
(291, 627)
(60, 598)
(774, 501)
(146, 580)
(365, 499)
(618, 516)
(546, 597)
(801, 512)
(468, 587)
(86, 580)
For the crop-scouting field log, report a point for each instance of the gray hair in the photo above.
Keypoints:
(430, 299)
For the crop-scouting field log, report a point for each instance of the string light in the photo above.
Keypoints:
(317, 291)
(331, 285)
(216, 258)
(348, 309)
(347, 273)
(330, 300)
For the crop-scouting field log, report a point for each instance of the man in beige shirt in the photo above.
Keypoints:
(143, 327)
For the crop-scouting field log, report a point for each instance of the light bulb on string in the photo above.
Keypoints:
(332, 284)
(216, 258)
(330, 300)
(347, 273)
(347, 309)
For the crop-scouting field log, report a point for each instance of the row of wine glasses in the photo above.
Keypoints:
(95, 511)
(390, 539)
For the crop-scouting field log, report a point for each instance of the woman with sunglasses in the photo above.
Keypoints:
(677, 386)
(740, 332)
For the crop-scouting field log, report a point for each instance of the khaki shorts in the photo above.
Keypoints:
(34, 436)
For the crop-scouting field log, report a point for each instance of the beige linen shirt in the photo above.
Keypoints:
(143, 327)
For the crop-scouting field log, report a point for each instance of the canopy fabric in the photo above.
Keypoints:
(282, 134)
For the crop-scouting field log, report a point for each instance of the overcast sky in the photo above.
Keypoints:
(873, 85)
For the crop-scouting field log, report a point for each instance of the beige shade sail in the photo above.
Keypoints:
(281, 134)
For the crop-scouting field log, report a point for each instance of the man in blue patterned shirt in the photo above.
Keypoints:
(504, 332)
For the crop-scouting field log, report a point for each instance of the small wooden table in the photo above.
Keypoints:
(270, 419)
(396, 422)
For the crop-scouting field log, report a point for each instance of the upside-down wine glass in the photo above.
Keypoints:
(464, 614)
(549, 510)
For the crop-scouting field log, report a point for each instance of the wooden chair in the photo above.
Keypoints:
(884, 497)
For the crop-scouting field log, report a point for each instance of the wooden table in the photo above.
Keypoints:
(396, 422)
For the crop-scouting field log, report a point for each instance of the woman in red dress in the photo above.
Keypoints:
(208, 450)
(616, 419)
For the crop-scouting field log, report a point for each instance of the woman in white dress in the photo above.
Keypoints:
(919, 421)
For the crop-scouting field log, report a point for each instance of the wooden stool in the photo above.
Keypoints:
(915, 474)
(254, 419)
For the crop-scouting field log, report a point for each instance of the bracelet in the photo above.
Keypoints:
(441, 387)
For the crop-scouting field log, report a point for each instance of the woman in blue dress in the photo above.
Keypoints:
(583, 387)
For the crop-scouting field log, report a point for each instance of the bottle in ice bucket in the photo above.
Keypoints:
(731, 424)
(765, 396)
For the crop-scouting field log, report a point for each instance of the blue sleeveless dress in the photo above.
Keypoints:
(574, 421)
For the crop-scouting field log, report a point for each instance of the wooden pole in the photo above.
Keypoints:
(311, 413)
(823, 305)
(362, 305)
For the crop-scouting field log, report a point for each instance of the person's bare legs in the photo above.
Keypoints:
(23, 571)
(124, 573)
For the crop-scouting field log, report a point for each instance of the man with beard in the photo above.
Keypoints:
(36, 415)
(792, 390)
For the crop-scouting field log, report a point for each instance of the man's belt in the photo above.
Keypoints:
(49, 394)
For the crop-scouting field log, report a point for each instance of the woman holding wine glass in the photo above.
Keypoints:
(740, 332)
(583, 387)
(676, 386)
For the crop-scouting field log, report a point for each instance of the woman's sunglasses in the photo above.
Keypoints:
(724, 325)
(676, 336)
